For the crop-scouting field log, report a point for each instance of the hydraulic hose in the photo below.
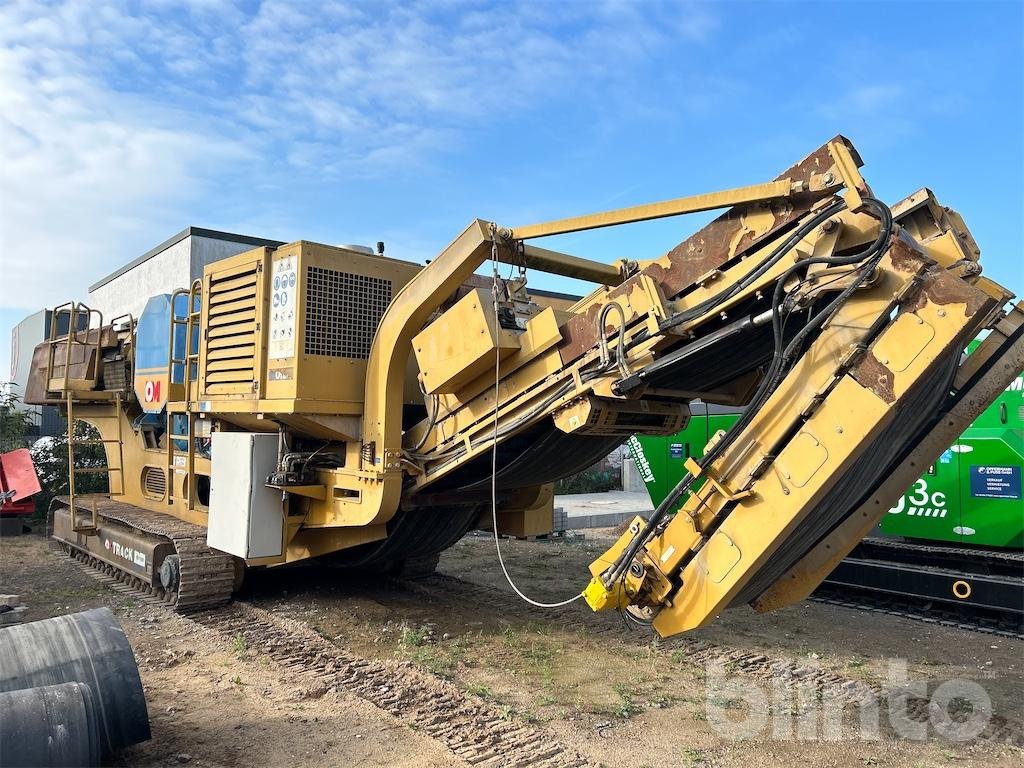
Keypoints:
(869, 258)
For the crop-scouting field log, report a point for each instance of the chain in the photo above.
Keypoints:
(494, 265)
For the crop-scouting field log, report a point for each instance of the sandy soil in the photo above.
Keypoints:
(619, 697)
(212, 704)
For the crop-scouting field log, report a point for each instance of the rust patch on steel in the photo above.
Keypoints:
(947, 288)
(938, 286)
(710, 247)
(579, 335)
(905, 255)
(871, 374)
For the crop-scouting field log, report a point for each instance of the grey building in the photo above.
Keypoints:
(175, 263)
(25, 336)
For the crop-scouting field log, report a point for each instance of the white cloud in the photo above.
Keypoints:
(366, 85)
(115, 125)
(84, 168)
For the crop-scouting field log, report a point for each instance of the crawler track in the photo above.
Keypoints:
(971, 564)
(207, 577)
(921, 610)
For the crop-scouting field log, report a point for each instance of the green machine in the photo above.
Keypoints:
(956, 536)
(972, 495)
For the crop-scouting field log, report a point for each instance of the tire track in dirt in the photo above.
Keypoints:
(472, 729)
(789, 673)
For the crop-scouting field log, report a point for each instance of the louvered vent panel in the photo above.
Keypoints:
(154, 482)
(343, 311)
(231, 332)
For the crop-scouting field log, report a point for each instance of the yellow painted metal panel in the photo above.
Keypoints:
(246, 316)
(236, 331)
(223, 296)
(223, 352)
(461, 344)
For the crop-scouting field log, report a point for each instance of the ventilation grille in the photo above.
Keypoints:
(231, 333)
(343, 311)
(154, 482)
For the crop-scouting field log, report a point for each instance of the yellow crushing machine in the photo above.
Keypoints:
(310, 401)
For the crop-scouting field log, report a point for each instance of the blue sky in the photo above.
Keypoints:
(122, 123)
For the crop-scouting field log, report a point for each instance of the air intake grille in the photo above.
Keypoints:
(343, 311)
(154, 482)
(231, 332)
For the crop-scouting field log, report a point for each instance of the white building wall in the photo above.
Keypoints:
(24, 338)
(174, 267)
(129, 292)
(206, 250)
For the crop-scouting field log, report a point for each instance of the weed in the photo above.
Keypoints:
(436, 662)
(414, 637)
(721, 703)
(627, 707)
(691, 756)
(538, 655)
(544, 629)
(238, 646)
(481, 690)
(508, 712)
(61, 594)
(663, 701)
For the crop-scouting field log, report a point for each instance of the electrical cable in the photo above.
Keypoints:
(494, 458)
(435, 407)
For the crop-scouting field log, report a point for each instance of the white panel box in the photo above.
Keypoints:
(246, 518)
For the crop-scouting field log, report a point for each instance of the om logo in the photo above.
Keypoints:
(152, 391)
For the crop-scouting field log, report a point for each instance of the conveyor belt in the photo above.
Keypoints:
(873, 465)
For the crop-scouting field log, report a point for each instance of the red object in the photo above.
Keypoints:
(18, 474)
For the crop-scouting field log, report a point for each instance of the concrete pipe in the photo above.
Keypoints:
(90, 648)
(53, 725)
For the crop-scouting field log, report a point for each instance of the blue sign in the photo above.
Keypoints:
(995, 482)
(675, 450)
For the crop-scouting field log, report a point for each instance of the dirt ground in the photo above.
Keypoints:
(616, 695)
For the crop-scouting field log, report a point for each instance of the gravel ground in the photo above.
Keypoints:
(616, 695)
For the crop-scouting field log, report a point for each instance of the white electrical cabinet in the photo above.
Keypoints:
(246, 518)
